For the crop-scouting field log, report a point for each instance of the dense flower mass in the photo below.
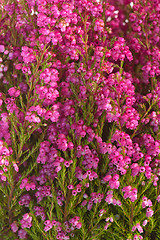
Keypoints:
(79, 119)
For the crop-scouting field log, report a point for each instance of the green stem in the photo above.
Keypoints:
(66, 204)
(32, 85)
(131, 215)
(142, 119)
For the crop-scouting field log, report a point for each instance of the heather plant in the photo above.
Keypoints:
(79, 119)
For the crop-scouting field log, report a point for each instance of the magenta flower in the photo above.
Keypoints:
(149, 212)
(14, 227)
(2, 48)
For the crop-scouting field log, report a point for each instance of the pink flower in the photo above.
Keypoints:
(79, 225)
(26, 222)
(22, 234)
(149, 212)
(158, 198)
(74, 192)
(14, 92)
(106, 226)
(145, 222)
(16, 168)
(14, 227)
(140, 229)
(2, 48)
(133, 228)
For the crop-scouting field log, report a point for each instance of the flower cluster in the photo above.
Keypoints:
(130, 192)
(26, 222)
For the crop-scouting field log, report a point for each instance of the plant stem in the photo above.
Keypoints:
(66, 204)
(131, 215)
(142, 119)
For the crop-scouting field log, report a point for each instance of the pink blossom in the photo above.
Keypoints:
(14, 227)
(2, 48)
